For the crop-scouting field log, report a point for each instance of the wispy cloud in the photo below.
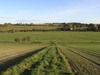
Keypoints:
(6, 17)
(26, 21)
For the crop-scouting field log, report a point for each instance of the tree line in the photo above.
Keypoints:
(28, 39)
(60, 27)
(79, 27)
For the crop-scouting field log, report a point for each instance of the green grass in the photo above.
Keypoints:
(46, 62)
(84, 57)
(53, 36)
(90, 46)
(24, 65)
(81, 48)
(52, 63)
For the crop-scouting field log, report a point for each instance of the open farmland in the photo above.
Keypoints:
(50, 37)
(46, 62)
(81, 49)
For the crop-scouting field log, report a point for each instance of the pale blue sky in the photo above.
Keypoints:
(46, 11)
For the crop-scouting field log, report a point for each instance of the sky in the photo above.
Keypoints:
(49, 11)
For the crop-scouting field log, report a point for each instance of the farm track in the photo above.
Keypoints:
(13, 61)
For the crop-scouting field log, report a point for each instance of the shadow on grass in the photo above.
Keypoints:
(17, 60)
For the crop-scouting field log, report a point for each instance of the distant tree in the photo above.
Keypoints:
(64, 26)
(28, 38)
(93, 27)
(12, 30)
(23, 39)
(17, 39)
(50, 25)
(74, 28)
(31, 24)
(33, 29)
(8, 24)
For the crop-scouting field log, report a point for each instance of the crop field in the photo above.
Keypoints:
(61, 53)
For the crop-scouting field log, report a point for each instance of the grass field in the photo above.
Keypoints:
(85, 58)
(49, 61)
(82, 37)
(81, 49)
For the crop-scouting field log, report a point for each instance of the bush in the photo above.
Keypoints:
(28, 38)
(17, 39)
(23, 39)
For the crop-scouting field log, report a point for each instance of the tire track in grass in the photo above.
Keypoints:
(82, 65)
(62, 58)
(69, 62)
(84, 57)
(87, 54)
(91, 53)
